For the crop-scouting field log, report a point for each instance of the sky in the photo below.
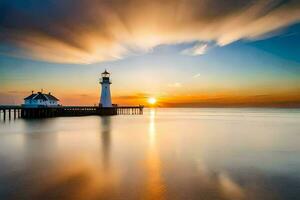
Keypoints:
(185, 53)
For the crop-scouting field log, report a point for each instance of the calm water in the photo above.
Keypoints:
(207, 154)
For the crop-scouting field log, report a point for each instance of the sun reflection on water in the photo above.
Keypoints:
(155, 188)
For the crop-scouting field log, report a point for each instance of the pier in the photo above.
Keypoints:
(15, 112)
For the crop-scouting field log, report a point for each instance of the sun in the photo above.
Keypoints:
(151, 100)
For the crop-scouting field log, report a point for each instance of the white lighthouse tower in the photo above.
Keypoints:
(105, 100)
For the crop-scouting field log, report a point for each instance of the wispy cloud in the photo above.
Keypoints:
(175, 85)
(198, 49)
(88, 31)
(197, 75)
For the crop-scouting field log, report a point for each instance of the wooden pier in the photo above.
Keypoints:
(14, 112)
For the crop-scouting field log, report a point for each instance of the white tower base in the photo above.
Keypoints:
(105, 95)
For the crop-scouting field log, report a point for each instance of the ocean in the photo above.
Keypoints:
(167, 153)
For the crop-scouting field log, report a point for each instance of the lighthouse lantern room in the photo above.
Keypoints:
(105, 100)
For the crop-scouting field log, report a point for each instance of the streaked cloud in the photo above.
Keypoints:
(175, 85)
(198, 49)
(197, 75)
(230, 188)
(89, 31)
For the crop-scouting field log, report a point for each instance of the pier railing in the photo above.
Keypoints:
(14, 112)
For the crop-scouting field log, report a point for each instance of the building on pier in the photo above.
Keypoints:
(40, 100)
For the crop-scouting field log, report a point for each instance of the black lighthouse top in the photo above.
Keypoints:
(105, 74)
(105, 77)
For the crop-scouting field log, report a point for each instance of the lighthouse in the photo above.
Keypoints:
(105, 100)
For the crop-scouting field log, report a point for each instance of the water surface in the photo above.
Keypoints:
(208, 154)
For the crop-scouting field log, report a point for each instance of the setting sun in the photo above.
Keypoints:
(152, 100)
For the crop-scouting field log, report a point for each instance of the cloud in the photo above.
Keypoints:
(175, 85)
(88, 31)
(197, 75)
(198, 49)
(230, 188)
